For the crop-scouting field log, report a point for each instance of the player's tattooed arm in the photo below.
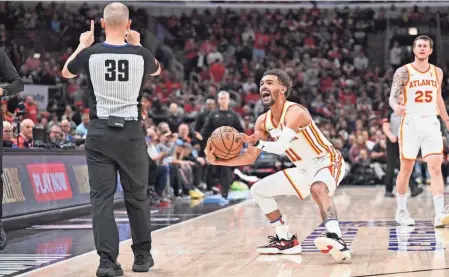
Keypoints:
(400, 78)
(329, 213)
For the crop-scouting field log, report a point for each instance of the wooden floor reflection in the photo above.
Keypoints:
(223, 243)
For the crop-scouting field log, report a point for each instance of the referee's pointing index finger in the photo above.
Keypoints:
(92, 23)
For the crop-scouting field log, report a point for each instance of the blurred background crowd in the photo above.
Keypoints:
(341, 61)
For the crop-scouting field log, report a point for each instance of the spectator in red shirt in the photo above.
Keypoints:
(217, 72)
(31, 109)
(261, 41)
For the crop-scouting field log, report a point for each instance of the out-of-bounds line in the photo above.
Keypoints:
(402, 272)
(246, 202)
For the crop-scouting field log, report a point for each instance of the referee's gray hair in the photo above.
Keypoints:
(115, 14)
(224, 92)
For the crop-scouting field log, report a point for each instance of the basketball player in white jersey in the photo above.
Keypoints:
(319, 167)
(420, 84)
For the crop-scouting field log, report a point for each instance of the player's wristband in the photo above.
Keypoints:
(256, 143)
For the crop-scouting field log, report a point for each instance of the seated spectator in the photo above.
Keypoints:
(362, 171)
(379, 158)
(354, 152)
(7, 116)
(67, 131)
(32, 108)
(8, 135)
(81, 129)
(183, 171)
(26, 133)
(160, 173)
(56, 137)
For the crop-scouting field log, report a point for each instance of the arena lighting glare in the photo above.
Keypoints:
(413, 31)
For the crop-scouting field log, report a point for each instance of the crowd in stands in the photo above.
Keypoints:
(323, 50)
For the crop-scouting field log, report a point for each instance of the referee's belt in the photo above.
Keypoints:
(125, 118)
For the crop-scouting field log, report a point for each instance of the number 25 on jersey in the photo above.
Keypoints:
(423, 96)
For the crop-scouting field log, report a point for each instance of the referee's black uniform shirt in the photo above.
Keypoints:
(116, 141)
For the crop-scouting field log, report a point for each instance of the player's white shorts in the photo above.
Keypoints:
(297, 181)
(420, 132)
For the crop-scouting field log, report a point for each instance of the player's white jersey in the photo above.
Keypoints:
(308, 145)
(420, 91)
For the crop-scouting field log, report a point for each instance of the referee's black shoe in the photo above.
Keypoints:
(107, 268)
(3, 239)
(415, 191)
(143, 262)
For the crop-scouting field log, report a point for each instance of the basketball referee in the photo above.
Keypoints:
(115, 141)
(8, 73)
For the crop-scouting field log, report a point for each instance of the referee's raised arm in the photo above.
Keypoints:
(116, 71)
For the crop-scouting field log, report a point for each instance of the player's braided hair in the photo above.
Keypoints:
(283, 78)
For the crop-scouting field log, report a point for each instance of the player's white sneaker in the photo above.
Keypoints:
(336, 246)
(403, 218)
(442, 219)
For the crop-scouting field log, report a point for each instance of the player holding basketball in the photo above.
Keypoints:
(420, 83)
(319, 167)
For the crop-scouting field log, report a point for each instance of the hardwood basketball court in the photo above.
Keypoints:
(223, 243)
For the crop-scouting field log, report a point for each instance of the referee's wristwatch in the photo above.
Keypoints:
(5, 91)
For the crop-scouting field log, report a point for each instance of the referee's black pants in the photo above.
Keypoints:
(393, 162)
(109, 150)
(222, 175)
(1, 167)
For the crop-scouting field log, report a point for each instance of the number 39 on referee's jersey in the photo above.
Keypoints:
(117, 70)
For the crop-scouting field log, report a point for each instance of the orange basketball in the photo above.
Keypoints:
(226, 142)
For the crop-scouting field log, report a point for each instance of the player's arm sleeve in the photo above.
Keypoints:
(76, 65)
(152, 65)
(277, 147)
(9, 73)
